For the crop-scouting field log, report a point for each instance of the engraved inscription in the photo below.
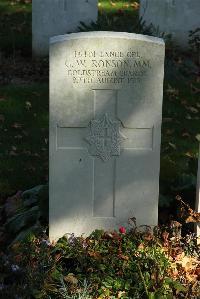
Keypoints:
(105, 137)
(106, 67)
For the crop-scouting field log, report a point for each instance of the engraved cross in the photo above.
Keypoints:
(104, 128)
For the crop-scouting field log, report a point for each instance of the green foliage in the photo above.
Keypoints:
(82, 293)
(15, 27)
(24, 137)
(122, 21)
(135, 264)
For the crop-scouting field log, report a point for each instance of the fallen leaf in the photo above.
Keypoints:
(70, 278)
(12, 153)
(188, 154)
(194, 89)
(193, 109)
(28, 105)
(173, 145)
(16, 125)
(185, 134)
(135, 5)
(112, 3)
(127, 5)
(188, 263)
(141, 246)
(193, 218)
(121, 294)
(198, 137)
(123, 257)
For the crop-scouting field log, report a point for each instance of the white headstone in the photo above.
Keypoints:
(198, 196)
(55, 17)
(175, 17)
(105, 125)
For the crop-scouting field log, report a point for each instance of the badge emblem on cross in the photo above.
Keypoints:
(105, 137)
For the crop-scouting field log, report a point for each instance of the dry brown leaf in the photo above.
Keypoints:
(135, 5)
(188, 263)
(121, 294)
(70, 278)
(193, 218)
(123, 257)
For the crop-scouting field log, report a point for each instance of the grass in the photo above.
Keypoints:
(112, 7)
(24, 108)
(15, 27)
(24, 133)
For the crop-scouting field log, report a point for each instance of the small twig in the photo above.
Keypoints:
(143, 280)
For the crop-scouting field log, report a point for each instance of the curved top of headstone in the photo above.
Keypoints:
(109, 34)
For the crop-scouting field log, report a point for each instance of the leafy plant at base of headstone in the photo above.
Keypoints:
(29, 212)
(116, 22)
(81, 293)
(129, 264)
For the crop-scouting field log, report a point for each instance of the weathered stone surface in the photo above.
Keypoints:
(175, 17)
(54, 17)
(105, 122)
